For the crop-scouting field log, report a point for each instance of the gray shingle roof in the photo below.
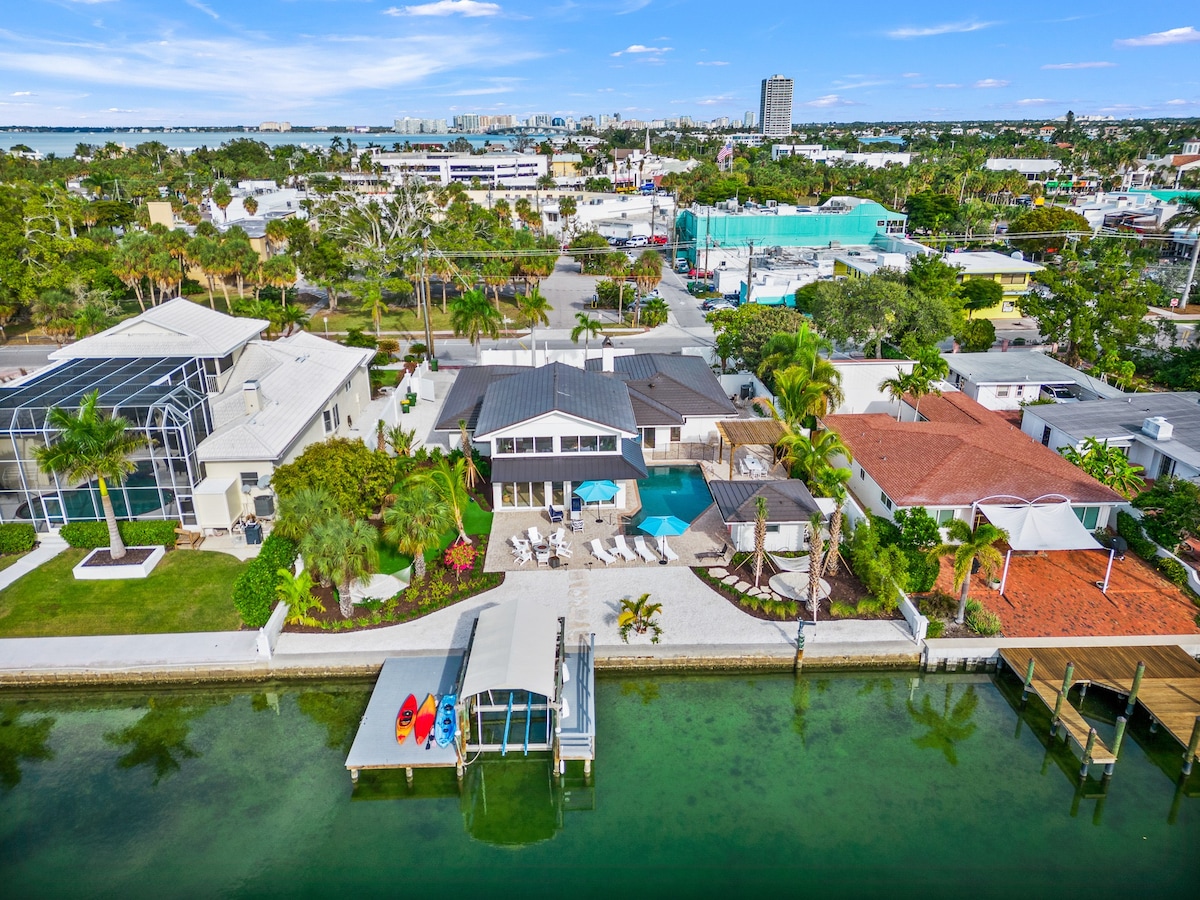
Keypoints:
(787, 501)
(684, 384)
(1024, 366)
(555, 388)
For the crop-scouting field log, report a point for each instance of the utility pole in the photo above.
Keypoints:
(707, 235)
(750, 271)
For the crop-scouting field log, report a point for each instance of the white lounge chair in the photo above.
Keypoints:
(667, 553)
(563, 550)
(519, 543)
(621, 547)
(523, 556)
(535, 536)
(600, 553)
(639, 546)
(558, 537)
(543, 557)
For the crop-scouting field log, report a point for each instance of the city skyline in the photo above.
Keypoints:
(188, 62)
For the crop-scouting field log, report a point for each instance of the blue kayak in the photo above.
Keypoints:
(447, 721)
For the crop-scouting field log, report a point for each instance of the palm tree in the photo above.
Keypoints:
(296, 592)
(343, 552)
(222, 196)
(897, 387)
(471, 474)
(401, 440)
(473, 317)
(1108, 465)
(588, 327)
(811, 455)
(496, 274)
(534, 309)
(967, 545)
(450, 483)
(91, 446)
(931, 367)
(417, 521)
(802, 350)
(638, 616)
(1187, 217)
(833, 484)
(654, 312)
(760, 536)
(301, 510)
(816, 553)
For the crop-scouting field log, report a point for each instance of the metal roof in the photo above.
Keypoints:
(1024, 366)
(515, 649)
(574, 467)
(555, 388)
(684, 384)
(788, 501)
(177, 328)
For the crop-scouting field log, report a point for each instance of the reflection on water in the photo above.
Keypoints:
(723, 785)
(23, 736)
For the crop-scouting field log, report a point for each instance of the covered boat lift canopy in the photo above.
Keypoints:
(516, 648)
(1044, 523)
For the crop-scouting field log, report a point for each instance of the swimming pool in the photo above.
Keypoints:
(673, 491)
(83, 503)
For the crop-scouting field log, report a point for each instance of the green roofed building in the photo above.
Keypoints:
(839, 222)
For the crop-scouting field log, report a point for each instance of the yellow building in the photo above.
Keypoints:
(1011, 272)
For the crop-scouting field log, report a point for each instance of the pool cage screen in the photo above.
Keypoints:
(163, 399)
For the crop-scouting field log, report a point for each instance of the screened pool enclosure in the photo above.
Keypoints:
(163, 399)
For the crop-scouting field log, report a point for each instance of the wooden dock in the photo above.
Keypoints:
(1164, 681)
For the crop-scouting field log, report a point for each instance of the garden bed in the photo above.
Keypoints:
(138, 562)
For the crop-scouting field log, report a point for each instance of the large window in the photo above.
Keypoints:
(589, 443)
(1088, 515)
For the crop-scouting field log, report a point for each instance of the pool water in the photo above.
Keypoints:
(830, 785)
(673, 491)
(84, 502)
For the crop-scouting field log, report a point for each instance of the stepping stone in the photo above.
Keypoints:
(718, 572)
(729, 579)
(742, 586)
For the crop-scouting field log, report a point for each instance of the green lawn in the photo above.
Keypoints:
(477, 521)
(9, 559)
(351, 315)
(190, 590)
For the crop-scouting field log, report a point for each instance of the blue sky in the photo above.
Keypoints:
(172, 62)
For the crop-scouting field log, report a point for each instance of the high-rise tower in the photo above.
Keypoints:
(775, 108)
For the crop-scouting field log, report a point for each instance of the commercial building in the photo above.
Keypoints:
(818, 153)
(775, 107)
(492, 169)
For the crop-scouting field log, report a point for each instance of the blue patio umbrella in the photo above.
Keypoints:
(660, 527)
(596, 492)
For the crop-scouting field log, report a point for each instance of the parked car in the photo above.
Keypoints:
(681, 264)
(717, 303)
(616, 242)
(658, 240)
(638, 240)
(1057, 394)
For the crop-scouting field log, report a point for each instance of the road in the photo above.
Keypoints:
(24, 356)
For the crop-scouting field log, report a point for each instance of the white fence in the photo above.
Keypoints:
(268, 635)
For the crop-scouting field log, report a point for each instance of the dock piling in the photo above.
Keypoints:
(1058, 705)
(408, 775)
(1193, 744)
(1133, 691)
(1087, 754)
(1028, 680)
(1068, 678)
(1116, 747)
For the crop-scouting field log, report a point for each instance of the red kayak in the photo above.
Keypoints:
(405, 718)
(426, 716)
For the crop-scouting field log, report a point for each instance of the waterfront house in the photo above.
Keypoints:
(790, 507)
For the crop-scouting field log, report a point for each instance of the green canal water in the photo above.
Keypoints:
(723, 786)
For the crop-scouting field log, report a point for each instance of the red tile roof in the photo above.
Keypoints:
(964, 453)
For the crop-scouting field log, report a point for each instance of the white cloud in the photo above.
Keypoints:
(642, 48)
(633, 6)
(1080, 65)
(842, 86)
(30, 94)
(911, 75)
(1169, 102)
(715, 62)
(1035, 101)
(829, 100)
(207, 10)
(933, 30)
(949, 86)
(1161, 38)
(470, 9)
(991, 83)
(716, 101)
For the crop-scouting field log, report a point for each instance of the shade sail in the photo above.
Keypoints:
(515, 649)
(1052, 526)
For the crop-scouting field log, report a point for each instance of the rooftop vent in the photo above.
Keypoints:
(1158, 428)
(252, 394)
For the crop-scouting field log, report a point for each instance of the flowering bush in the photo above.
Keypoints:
(460, 557)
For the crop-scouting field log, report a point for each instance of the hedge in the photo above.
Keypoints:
(254, 591)
(1131, 529)
(17, 537)
(90, 535)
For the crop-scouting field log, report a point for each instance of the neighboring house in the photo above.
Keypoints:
(214, 403)
(860, 384)
(1159, 432)
(1009, 380)
(550, 428)
(1011, 272)
(961, 454)
(789, 508)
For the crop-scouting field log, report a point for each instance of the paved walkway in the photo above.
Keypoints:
(49, 546)
(696, 622)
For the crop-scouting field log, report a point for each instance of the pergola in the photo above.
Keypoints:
(1035, 525)
(743, 432)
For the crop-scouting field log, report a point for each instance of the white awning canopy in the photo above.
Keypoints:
(515, 649)
(1052, 526)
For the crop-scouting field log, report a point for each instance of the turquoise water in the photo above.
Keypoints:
(673, 491)
(84, 502)
(724, 786)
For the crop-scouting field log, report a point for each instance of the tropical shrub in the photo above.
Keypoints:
(255, 590)
(883, 570)
(19, 537)
(460, 558)
(356, 477)
(91, 535)
(1131, 530)
(935, 629)
(1172, 509)
(982, 620)
(638, 616)
(1174, 570)
(915, 532)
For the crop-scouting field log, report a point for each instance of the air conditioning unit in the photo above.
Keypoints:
(1158, 428)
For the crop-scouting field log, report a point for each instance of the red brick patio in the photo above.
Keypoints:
(1055, 594)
